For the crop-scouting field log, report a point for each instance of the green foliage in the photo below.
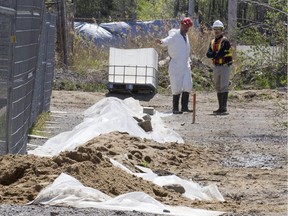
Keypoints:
(86, 55)
(264, 64)
(202, 80)
(144, 164)
(162, 90)
(65, 85)
(261, 68)
(80, 86)
(212, 10)
(2, 125)
(38, 126)
(262, 81)
(91, 87)
(103, 9)
(154, 9)
(130, 9)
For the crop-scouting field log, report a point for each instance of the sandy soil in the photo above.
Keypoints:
(243, 153)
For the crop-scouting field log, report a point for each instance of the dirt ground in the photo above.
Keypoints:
(243, 153)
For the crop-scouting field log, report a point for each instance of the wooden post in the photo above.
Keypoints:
(194, 108)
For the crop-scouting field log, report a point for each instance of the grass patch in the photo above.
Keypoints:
(86, 55)
(38, 126)
(2, 125)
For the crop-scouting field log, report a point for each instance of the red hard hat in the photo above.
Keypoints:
(187, 22)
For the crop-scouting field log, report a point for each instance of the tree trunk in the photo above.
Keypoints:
(213, 10)
(232, 20)
(210, 18)
(176, 8)
(64, 32)
(191, 9)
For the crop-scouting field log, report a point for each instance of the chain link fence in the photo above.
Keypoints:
(27, 38)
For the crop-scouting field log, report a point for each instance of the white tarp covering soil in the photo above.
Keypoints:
(192, 190)
(109, 114)
(66, 190)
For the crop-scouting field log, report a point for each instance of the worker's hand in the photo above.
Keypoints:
(158, 41)
(211, 54)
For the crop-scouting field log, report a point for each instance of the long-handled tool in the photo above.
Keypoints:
(194, 108)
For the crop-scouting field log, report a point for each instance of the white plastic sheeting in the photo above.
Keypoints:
(66, 190)
(192, 190)
(115, 34)
(107, 115)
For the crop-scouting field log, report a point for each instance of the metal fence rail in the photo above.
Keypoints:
(21, 24)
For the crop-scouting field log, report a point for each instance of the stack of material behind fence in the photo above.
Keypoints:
(20, 28)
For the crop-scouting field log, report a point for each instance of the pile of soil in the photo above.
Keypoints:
(23, 176)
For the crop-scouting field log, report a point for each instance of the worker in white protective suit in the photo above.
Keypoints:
(179, 65)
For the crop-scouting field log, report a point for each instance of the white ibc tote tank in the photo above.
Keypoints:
(133, 69)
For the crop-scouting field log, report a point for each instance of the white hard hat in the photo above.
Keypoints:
(218, 24)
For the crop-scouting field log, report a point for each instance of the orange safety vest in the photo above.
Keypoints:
(216, 47)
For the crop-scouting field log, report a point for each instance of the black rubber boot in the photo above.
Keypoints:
(223, 103)
(184, 102)
(219, 97)
(176, 99)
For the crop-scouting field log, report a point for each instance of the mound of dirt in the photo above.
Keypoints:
(23, 176)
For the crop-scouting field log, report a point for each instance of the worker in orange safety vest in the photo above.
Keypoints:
(220, 51)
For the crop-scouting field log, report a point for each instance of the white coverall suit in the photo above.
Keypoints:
(179, 66)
